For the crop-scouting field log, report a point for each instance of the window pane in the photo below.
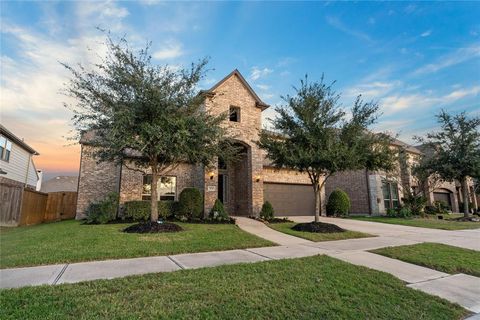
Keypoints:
(9, 145)
(147, 185)
(2, 151)
(7, 155)
(387, 204)
(394, 193)
(2, 141)
(167, 187)
(386, 191)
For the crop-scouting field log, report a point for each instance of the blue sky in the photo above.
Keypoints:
(414, 58)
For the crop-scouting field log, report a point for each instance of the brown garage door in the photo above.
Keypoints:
(440, 196)
(290, 199)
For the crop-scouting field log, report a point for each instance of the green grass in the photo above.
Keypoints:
(317, 287)
(432, 223)
(70, 241)
(287, 228)
(437, 256)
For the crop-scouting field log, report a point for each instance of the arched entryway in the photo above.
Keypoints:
(234, 182)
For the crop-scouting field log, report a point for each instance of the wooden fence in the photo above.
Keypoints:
(21, 206)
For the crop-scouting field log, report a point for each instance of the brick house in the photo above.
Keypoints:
(242, 186)
(374, 192)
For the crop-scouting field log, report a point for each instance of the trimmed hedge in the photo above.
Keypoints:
(191, 203)
(104, 210)
(338, 203)
(218, 212)
(267, 212)
(140, 210)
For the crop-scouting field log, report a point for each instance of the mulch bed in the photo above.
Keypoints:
(206, 221)
(153, 227)
(318, 227)
(274, 220)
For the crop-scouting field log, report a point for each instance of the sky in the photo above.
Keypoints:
(413, 58)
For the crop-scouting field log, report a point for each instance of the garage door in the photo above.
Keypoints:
(440, 196)
(290, 199)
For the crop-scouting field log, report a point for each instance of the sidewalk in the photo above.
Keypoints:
(459, 288)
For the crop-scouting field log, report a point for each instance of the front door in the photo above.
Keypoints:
(222, 188)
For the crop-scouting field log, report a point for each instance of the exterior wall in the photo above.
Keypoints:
(95, 180)
(131, 182)
(20, 166)
(232, 92)
(354, 183)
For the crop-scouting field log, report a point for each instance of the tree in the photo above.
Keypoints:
(313, 135)
(149, 115)
(455, 150)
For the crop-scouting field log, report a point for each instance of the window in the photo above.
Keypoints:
(390, 194)
(5, 148)
(234, 114)
(166, 187)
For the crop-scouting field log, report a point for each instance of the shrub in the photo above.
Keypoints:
(140, 210)
(267, 212)
(431, 210)
(404, 212)
(338, 203)
(391, 212)
(416, 203)
(442, 206)
(218, 212)
(460, 206)
(191, 203)
(104, 210)
(172, 207)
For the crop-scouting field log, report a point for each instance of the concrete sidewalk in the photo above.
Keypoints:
(462, 289)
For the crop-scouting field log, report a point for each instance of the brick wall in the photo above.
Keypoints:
(354, 183)
(96, 180)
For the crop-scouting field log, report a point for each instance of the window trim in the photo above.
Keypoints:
(391, 193)
(6, 151)
(233, 109)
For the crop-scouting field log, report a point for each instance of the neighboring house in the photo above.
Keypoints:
(16, 160)
(374, 192)
(242, 186)
(60, 184)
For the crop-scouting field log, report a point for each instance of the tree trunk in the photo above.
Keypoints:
(317, 203)
(466, 198)
(154, 196)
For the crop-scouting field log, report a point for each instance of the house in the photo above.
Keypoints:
(374, 192)
(16, 161)
(60, 184)
(242, 186)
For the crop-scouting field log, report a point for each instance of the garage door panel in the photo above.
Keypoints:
(440, 196)
(290, 199)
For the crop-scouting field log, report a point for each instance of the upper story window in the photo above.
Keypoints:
(167, 187)
(234, 114)
(5, 148)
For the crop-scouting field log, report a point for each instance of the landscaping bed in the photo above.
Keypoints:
(318, 236)
(437, 256)
(325, 288)
(318, 227)
(71, 241)
(153, 227)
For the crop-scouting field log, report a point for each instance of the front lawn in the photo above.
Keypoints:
(70, 241)
(432, 223)
(287, 228)
(317, 287)
(437, 256)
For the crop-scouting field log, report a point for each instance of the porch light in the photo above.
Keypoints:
(257, 178)
(211, 174)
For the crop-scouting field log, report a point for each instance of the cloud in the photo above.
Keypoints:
(169, 51)
(458, 56)
(426, 33)
(257, 73)
(339, 25)
(263, 87)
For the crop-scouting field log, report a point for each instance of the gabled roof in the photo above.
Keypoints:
(259, 103)
(10, 136)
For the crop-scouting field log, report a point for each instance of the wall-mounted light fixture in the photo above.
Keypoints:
(211, 174)
(257, 178)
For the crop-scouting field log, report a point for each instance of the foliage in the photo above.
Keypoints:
(152, 116)
(104, 210)
(462, 206)
(391, 212)
(441, 206)
(218, 212)
(140, 210)
(190, 203)
(415, 202)
(267, 213)
(403, 212)
(454, 151)
(313, 135)
(338, 203)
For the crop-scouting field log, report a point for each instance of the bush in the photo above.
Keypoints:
(391, 212)
(267, 212)
(140, 210)
(460, 206)
(172, 207)
(104, 210)
(442, 207)
(338, 203)
(218, 212)
(404, 212)
(191, 203)
(431, 210)
(416, 203)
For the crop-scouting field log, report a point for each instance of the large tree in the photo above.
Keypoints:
(455, 150)
(144, 116)
(313, 134)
